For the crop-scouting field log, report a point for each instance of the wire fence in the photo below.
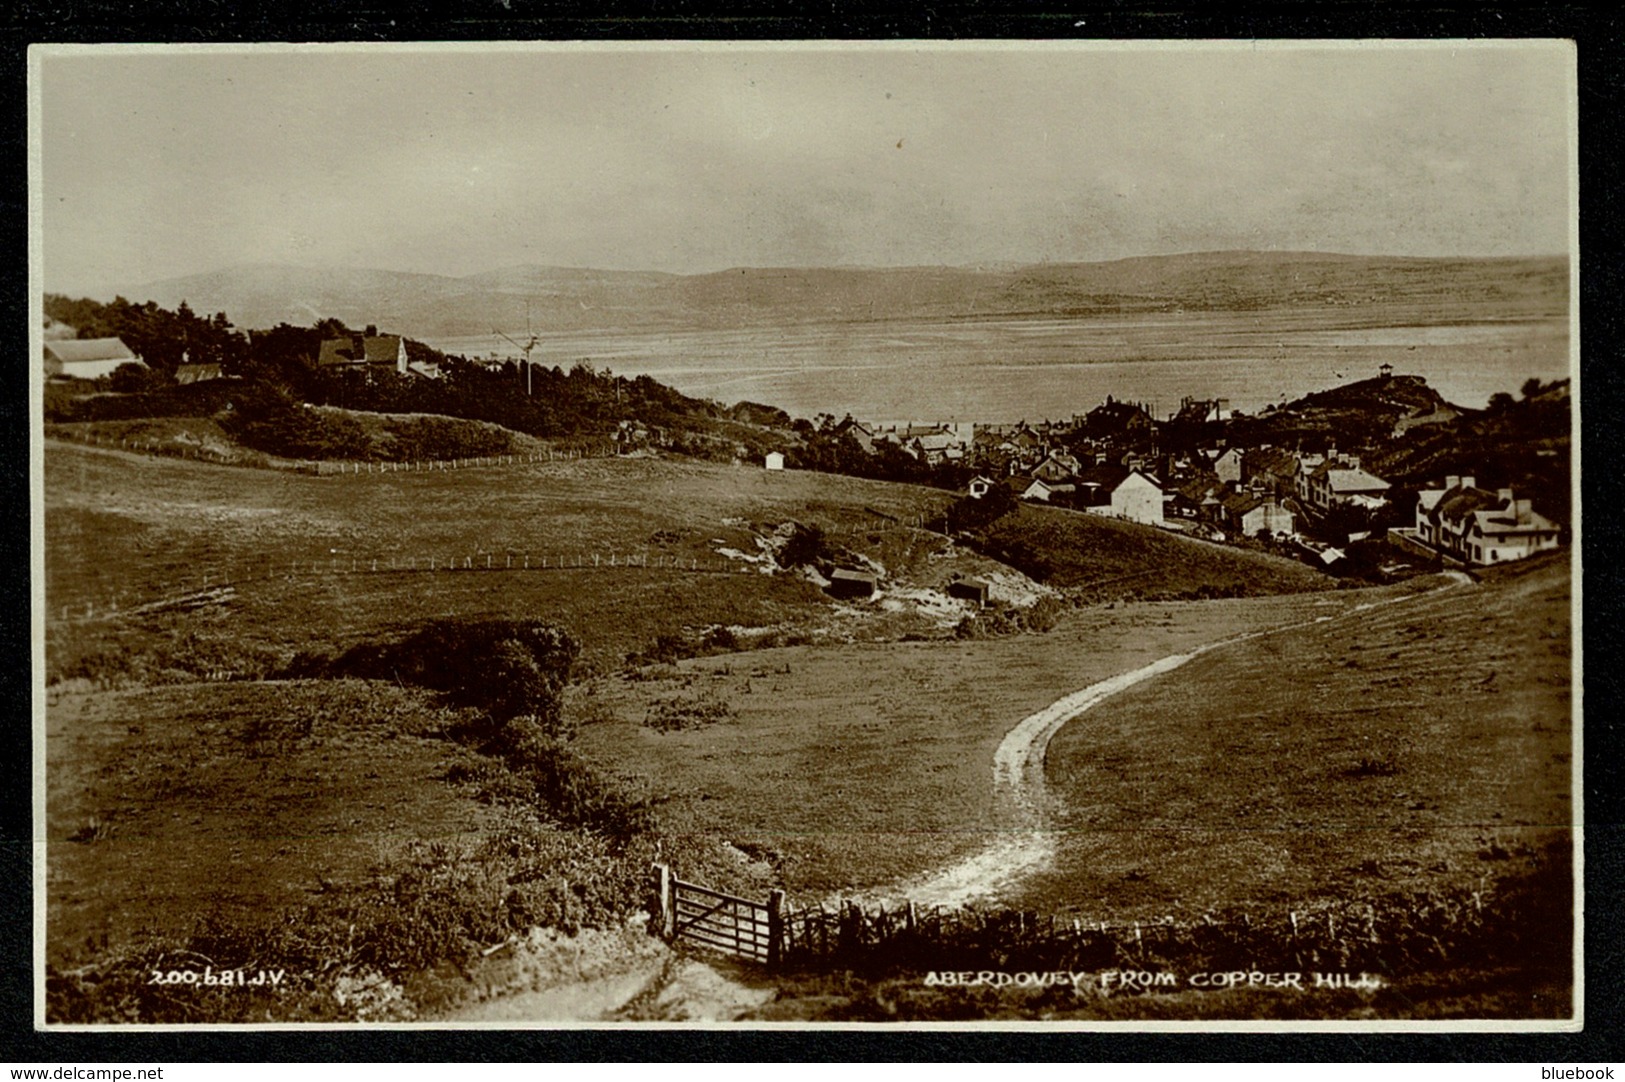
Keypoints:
(200, 587)
(324, 467)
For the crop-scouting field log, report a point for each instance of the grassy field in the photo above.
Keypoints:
(126, 531)
(852, 766)
(1097, 556)
(178, 804)
(1425, 744)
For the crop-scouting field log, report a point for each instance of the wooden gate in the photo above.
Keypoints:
(725, 922)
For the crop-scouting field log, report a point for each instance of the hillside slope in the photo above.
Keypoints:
(1348, 290)
(1095, 556)
(1408, 746)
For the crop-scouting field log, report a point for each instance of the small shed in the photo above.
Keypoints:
(969, 590)
(775, 460)
(197, 373)
(844, 583)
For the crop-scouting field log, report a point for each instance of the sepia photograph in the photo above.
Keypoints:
(952, 534)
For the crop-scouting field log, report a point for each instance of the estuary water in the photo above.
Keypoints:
(1013, 369)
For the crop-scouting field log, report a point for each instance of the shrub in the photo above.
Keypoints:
(137, 379)
(686, 712)
(568, 786)
(415, 438)
(720, 639)
(507, 668)
(667, 649)
(276, 423)
(1375, 766)
(999, 619)
(806, 546)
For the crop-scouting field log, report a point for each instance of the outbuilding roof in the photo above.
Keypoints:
(70, 350)
(360, 349)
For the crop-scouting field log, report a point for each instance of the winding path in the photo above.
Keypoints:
(1025, 846)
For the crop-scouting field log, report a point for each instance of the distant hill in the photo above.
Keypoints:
(1342, 290)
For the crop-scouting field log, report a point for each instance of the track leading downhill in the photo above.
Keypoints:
(1025, 846)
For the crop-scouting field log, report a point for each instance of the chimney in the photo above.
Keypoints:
(372, 330)
(1451, 481)
(1469, 482)
(1505, 495)
(1523, 509)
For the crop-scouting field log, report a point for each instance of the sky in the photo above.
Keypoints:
(685, 158)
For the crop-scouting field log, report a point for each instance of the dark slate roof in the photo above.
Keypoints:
(1276, 460)
(196, 373)
(1111, 475)
(1239, 503)
(375, 349)
(1459, 503)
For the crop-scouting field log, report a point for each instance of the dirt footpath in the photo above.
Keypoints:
(1018, 778)
(601, 976)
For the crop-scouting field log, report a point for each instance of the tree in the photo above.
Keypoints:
(806, 545)
(978, 514)
(1531, 387)
(136, 379)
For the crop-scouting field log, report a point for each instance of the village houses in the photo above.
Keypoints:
(1477, 526)
(1338, 481)
(1121, 492)
(370, 353)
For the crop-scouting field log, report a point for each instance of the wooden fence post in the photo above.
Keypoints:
(775, 928)
(668, 921)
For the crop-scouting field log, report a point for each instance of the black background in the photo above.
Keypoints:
(1597, 33)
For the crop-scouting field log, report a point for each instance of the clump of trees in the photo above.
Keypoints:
(978, 513)
(512, 675)
(505, 668)
(554, 402)
(271, 420)
(160, 337)
(805, 547)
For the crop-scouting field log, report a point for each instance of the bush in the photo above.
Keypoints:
(567, 785)
(271, 421)
(720, 639)
(137, 379)
(668, 649)
(665, 650)
(968, 513)
(421, 438)
(998, 619)
(686, 712)
(507, 668)
(806, 546)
